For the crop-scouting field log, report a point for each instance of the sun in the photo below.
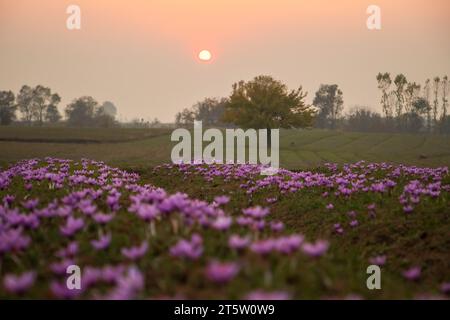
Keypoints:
(205, 55)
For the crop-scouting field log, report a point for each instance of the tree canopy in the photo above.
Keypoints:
(266, 103)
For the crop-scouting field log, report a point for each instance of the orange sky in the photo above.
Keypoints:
(141, 54)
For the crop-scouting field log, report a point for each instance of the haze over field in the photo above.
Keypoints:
(142, 55)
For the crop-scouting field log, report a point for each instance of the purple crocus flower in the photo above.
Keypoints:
(19, 283)
(221, 272)
(72, 226)
(192, 249)
(445, 287)
(222, 223)
(134, 253)
(147, 212)
(277, 226)
(264, 295)
(378, 260)
(102, 218)
(315, 250)
(354, 223)
(61, 291)
(102, 242)
(412, 273)
(330, 206)
(256, 212)
(238, 243)
(221, 200)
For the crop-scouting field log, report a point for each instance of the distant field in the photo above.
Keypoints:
(149, 147)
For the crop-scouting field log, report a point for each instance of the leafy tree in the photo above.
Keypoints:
(7, 107)
(25, 103)
(210, 110)
(103, 117)
(266, 103)
(80, 112)
(329, 100)
(363, 120)
(109, 108)
(52, 114)
(185, 117)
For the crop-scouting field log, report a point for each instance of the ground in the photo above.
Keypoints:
(335, 219)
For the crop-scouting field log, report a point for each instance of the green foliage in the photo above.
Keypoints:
(267, 103)
(329, 100)
(7, 107)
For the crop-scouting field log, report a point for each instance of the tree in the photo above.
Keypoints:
(436, 82)
(210, 110)
(80, 112)
(363, 120)
(384, 82)
(103, 117)
(185, 117)
(400, 83)
(329, 100)
(426, 95)
(42, 97)
(25, 103)
(266, 103)
(109, 108)
(7, 107)
(445, 84)
(52, 114)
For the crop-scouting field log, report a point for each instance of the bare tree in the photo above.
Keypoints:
(384, 83)
(436, 84)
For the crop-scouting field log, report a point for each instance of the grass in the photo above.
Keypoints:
(149, 147)
(416, 239)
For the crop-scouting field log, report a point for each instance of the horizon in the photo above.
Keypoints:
(143, 57)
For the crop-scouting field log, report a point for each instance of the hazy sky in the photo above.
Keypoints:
(142, 54)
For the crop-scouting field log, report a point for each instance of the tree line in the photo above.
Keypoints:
(39, 106)
(264, 102)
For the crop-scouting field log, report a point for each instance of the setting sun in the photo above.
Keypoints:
(204, 55)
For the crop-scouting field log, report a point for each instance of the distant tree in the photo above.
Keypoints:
(40, 101)
(103, 118)
(266, 103)
(420, 106)
(445, 85)
(384, 83)
(329, 100)
(109, 108)
(155, 123)
(210, 110)
(426, 96)
(412, 92)
(364, 120)
(400, 83)
(185, 117)
(436, 85)
(25, 103)
(52, 114)
(7, 107)
(410, 122)
(445, 125)
(80, 112)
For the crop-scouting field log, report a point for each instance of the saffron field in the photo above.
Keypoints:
(140, 227)
(223, 231)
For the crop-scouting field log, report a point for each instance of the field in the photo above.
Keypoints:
(150, 229)
(149, 147)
